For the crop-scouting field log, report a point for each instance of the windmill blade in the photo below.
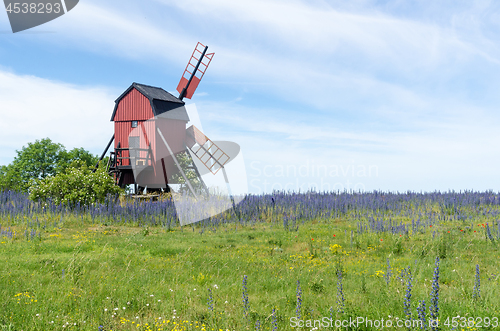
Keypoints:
(212, 157)
(195, 69)
(231, 149)
(208, 155)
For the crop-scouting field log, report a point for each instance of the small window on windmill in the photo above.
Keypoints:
(134, 124)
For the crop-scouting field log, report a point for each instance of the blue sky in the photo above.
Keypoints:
(369, 95)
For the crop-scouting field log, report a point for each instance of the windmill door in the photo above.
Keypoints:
(134, 144)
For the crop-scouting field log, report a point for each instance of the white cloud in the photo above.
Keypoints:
(332, 55)
(121, 29)
(411, 90)
(448, 155)
(305, 28)
(35, 108)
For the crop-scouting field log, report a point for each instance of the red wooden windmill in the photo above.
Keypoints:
(151, 133)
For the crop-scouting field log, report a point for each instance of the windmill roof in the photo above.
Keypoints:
(161, 101)
(157, 93)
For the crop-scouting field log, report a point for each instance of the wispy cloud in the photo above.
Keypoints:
(121, 29)
(334, 56)
(298, 27)
(35, 108)
(410, 87)
(451, 155)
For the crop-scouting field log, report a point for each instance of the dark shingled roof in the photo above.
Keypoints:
(161, 101)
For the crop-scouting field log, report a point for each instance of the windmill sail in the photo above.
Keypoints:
(195, 69)
(211, 155)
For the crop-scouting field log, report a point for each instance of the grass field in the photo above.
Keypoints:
(291, 256)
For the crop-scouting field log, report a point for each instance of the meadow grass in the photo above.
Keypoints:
(78, 274)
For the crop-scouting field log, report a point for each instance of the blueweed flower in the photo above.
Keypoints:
(360, 228)
(488, 233)
(299, 301)
(285, 221)
(340, 292)
(407, 300)
(434, 307)
(257, 325)
(246, 305)
(421, 312)
(477, 285)
(210, 301)
(388, 274)
(402, 276)
(274, 320)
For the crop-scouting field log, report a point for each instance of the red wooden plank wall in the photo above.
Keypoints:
(134, 107)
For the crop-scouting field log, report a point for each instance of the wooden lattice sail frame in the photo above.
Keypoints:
(212, 157)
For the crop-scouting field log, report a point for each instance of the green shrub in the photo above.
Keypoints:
(77, 184)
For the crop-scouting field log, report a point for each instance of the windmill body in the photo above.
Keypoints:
(136, 117)
(156, 145)
(150, 130)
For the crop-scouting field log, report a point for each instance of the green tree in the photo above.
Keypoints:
(40, 160)
(9, 178)
(77, 184)
(35, 161)
(187, 165)
(89, 159)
